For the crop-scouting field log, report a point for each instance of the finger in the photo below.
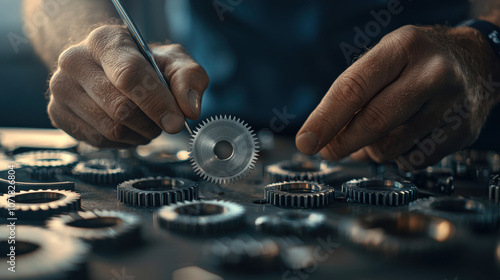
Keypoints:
(393, 106)
(95, 83)
(84, 107)
(360, 155)
(429, 151)
(66, 120)
(132, 75)
(352, 90)
(188, 80)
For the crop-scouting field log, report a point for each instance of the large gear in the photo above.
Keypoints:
(299, 194)
(103, 172)
(39, 204)
(42, 254)
(223, 149)
(380, 192)
(156, 191)
(297, 222)
(395, 234)
(494, 188)
(319, 171)
(470, 213)
(202, 217)
(45, 165)
(105, 230)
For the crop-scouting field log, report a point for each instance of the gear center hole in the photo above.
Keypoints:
(22, 248)
(201, 210)
(223, 150)
(99, 222)
(299, 187)
(39, 197)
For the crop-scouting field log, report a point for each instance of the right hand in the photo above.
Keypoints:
(106, 93)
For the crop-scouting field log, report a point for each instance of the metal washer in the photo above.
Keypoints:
(299, 194)
(104, 229)
(156, 191)
(45, 165)
(42, 255)
(380, 192)
(470, 213)
(202, 217)
(40, 204)
(396, 234)
(318, 171)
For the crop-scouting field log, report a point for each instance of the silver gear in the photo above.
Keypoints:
(297, 222)
(102, 172)
(45, 165)
(494, 188)
(470, 213)
(396, 234)
(380, 192)
(239, 148)
(44, 255)
(105, 230)
(40, 204)
(202, 217)
(304, 170)
(156, 191)
(299, 194)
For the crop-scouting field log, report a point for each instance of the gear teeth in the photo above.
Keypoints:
(148, 192)
(109, 172)
(202, 217)
(47, 164)
(58, 202)
(306, 170)
(368, 191)
(299, 194)
(206, 164)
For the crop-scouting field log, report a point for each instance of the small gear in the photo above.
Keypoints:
(223, 149)
(396, 234)
(470, 213)
(380, 192)
(494, 188)
(156, 191)
(244, 252)
(203, 217)
(434, 179)
(299, 194)
(5, 186)
(319, 171)
(45, 165)
(42, 254)
(39, 204)
(105, 230)
(297, 222)
(103, 172)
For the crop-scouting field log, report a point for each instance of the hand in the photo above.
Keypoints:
(106, 93)
(418, 95)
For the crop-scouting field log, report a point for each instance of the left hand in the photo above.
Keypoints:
(418, 95)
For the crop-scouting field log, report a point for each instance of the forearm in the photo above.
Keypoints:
(57, 24)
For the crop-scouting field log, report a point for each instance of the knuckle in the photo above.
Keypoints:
(322, 113)
(126, 73)
(58, 83)
(103, 35)
(192, 72)
(122, 109)
(112, 130)
(350, 91)
(71, 57)
(374, 121)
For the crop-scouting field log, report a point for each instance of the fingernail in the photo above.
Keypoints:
(307, 143)
(195, 102)
(172, 123)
